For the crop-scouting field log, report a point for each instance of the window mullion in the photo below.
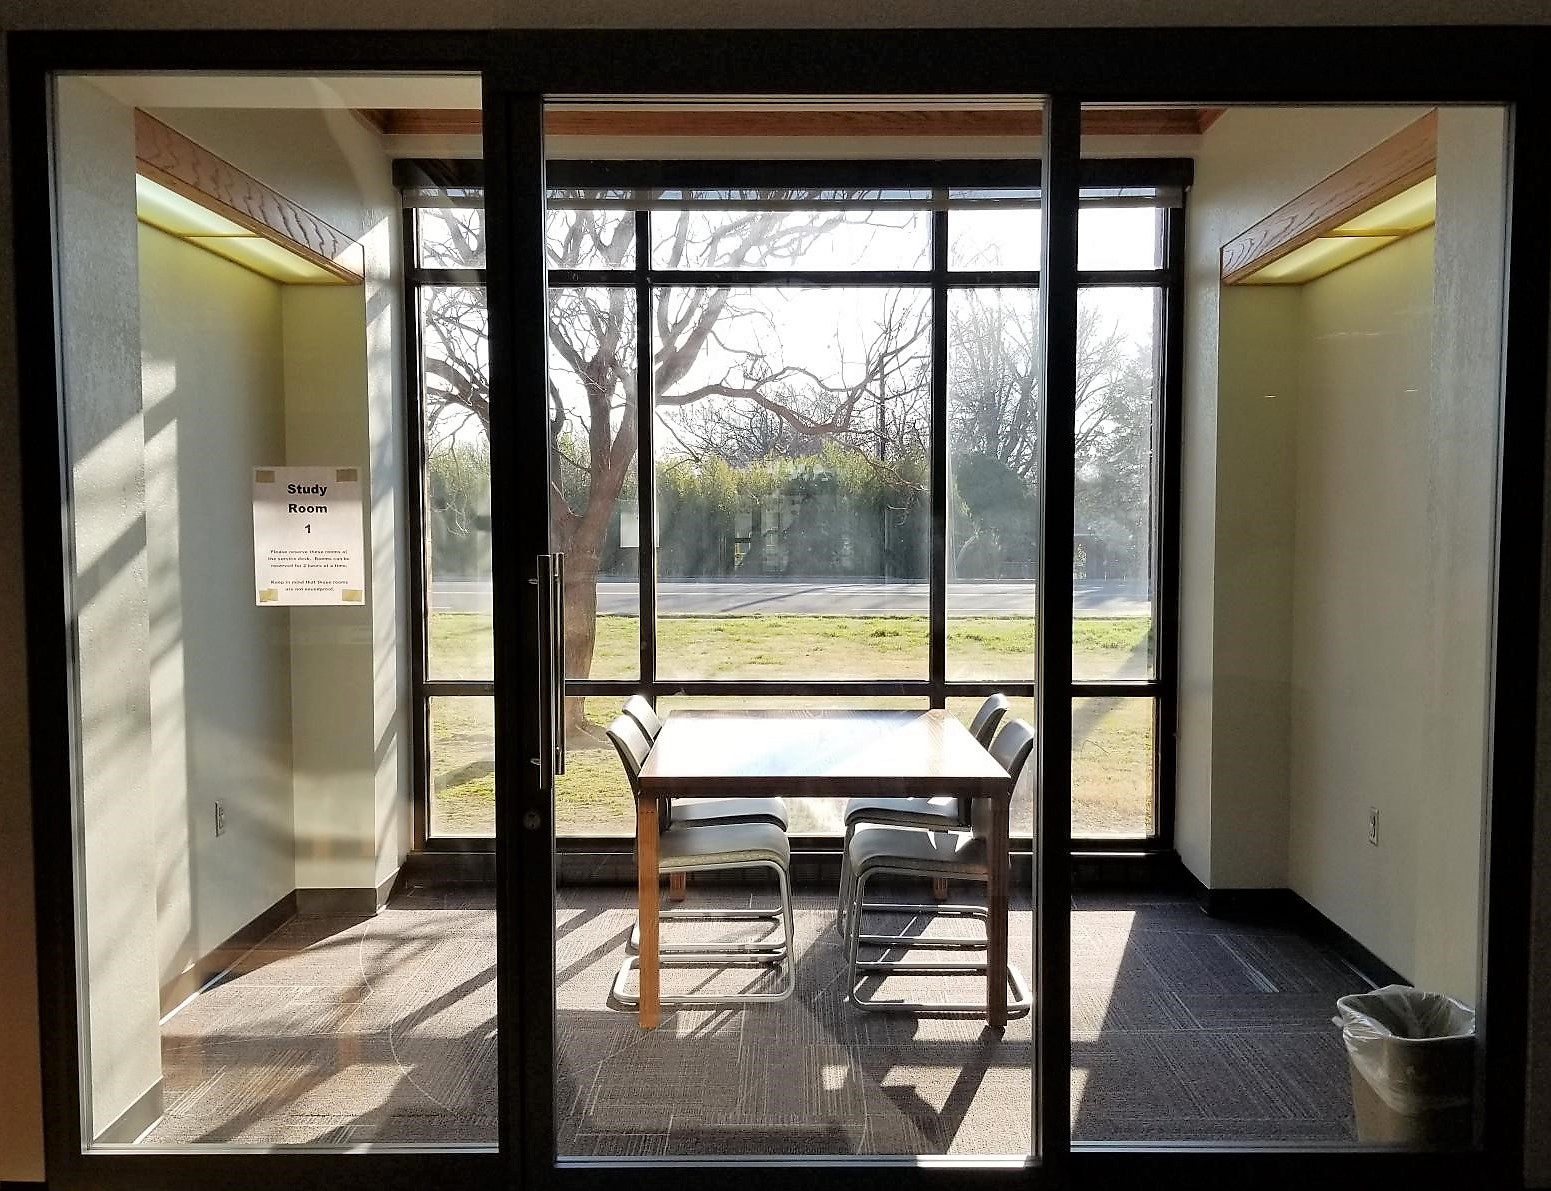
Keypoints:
(646, 453)
(937, 563)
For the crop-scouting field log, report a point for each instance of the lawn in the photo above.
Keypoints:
(1113, 747)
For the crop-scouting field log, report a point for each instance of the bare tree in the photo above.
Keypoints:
(594, 415)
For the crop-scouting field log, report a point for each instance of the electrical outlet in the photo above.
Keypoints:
(220, 817)
(1373, 826)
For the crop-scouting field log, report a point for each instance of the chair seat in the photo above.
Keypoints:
(704, 812)
(941, 812)
(947, 853)
(726, 844)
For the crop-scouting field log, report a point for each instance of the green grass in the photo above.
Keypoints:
(1112, 755)
(706, 647)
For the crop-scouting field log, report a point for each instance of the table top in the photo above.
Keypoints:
(819, 754)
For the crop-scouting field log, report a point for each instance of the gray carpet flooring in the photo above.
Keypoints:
(348, 1030)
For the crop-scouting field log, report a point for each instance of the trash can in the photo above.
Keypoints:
(1412, 1056)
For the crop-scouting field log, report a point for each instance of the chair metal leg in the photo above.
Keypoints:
(715, 955)
(753, 946)
(1019, 1002)
(979, 913)
(843, 901)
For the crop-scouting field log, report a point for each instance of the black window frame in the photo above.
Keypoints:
(1171, 177)
(1401, 64)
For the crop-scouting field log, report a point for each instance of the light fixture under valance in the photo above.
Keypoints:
(1387, 193)
(183, 189)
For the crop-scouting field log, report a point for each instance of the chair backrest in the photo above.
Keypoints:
(1012, 748)
(643, 713)
(987, 719)
(631, 744)
(983, 728)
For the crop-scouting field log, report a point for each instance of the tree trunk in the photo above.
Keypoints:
(581, 627)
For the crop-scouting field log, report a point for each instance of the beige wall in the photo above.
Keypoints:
(1349, 466)
(344, 406)
(1234, 499)
(1362, 636)
(220, 667)
(331, 648)
(101, 364)
(182, 372)
(1396, 456)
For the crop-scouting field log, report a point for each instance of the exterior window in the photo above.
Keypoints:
(746, 421)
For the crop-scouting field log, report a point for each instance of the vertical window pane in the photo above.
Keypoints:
(578, 234)
(792, 483)
(462, 768)
(595, 505)
(455, 386)
(452, 236)
(1113, 579)
(995, 229)
(993, 452)
(592, 796)
(1112, 767)
(1115, 237)
(845, 229)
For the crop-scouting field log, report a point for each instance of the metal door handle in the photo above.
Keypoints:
(557, 628)
(544, 601)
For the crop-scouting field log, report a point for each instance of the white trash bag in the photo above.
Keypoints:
(1415, 1052)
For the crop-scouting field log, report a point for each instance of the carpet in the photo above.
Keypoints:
(340, 1031)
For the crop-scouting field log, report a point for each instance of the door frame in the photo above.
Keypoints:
(1226, 65)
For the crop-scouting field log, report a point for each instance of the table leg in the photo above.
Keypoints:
(646, 907)
(996, 927)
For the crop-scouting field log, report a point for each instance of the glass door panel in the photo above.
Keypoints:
(744, 416)
(257, 965)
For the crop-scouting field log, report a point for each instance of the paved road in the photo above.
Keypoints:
(795, 598)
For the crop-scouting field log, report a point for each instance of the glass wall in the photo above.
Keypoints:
(256, 967)
(1340, 406)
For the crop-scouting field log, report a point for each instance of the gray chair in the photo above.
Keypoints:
(704, 812)
(944, 813)
(878, 850)
(712, 848)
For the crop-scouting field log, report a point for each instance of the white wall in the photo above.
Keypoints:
(220, 667)
(101, 358)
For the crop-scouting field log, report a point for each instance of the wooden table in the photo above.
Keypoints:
(819, 754)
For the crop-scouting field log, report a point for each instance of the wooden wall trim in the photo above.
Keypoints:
(169, 158)
(1393, 165)
(771, 122)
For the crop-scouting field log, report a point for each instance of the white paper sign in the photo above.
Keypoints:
(307, 539)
